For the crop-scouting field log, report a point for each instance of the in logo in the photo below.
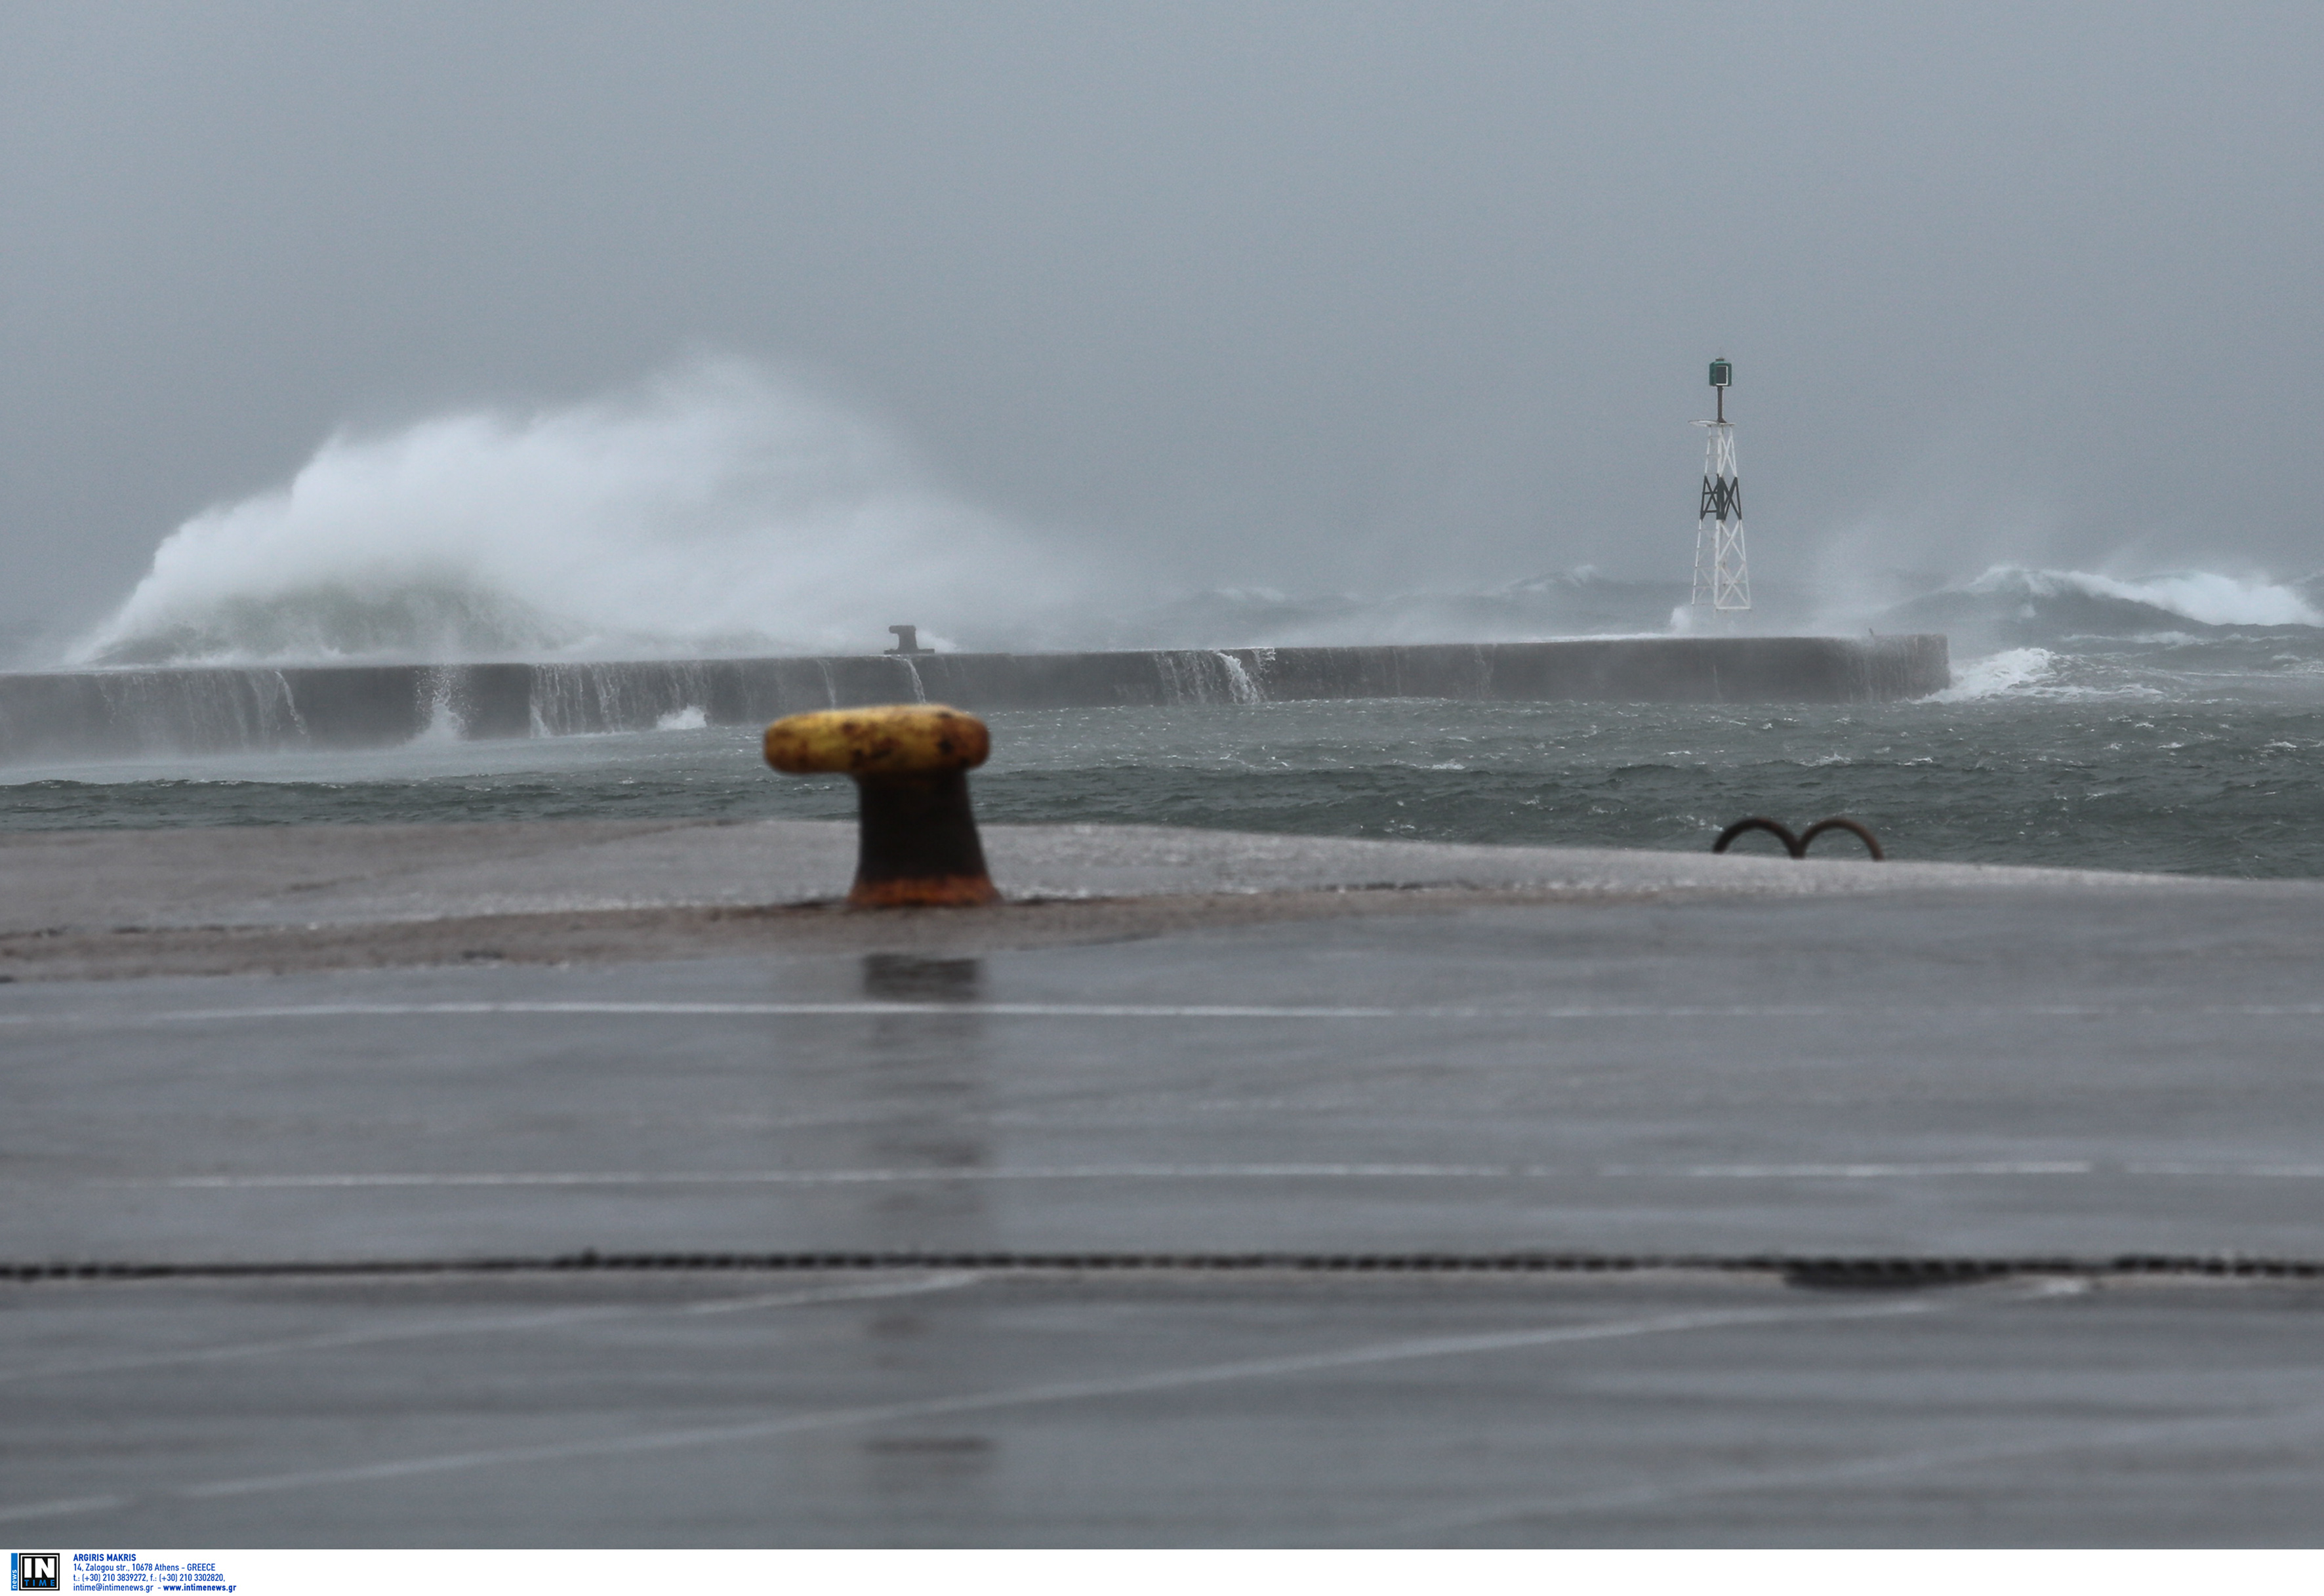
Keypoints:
(34, 1571)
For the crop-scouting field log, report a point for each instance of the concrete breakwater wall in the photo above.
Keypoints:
(216, 709)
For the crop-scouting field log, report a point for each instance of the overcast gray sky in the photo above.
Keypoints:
(1319, 296)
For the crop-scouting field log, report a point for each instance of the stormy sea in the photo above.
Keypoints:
(2173, 722)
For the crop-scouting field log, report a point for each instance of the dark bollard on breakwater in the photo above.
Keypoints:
(214, 709)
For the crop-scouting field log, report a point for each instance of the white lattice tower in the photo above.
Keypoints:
(1723, 579)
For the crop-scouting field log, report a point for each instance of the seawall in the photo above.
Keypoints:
(218, 709)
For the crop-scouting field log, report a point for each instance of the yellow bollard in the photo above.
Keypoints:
(915, 842)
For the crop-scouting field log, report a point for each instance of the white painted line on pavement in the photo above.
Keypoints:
(2254, 1171)
(1033, 1396)
(1152, 1011)
(2242, 1429)
(64, 1507)
(850, 1177)
(877, 1009)
(2032, 1168)
(1857, 1171)
(550, 1319)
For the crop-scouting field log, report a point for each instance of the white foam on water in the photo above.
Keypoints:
(689, 719)
(713, 509)
(2011, 671)
(2209, 598)
(443, 725)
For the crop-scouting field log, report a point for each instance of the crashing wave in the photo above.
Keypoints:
(2205, 597)
(411, 620)
(714, 510)
(2013, 670)
(2016, 607)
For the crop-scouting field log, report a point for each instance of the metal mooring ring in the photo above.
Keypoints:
(1797, 846)
(1783, 833)
(1840, 822)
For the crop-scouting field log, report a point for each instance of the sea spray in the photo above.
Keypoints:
(718, 511)
(714, 510)
(2011, 671)
(2017, 607)
(2207, 598)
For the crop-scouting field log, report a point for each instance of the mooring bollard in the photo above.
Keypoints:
(916, 845)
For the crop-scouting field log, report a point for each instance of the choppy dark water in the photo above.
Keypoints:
(2113, 761)
(2172, 724)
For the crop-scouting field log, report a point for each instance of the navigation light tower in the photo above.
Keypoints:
(1721, 580)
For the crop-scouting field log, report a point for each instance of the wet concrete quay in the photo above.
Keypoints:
(1295, 1192)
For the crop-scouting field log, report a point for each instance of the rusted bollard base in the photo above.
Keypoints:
(916, 845)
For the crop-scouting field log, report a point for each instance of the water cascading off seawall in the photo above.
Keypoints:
(133, 714)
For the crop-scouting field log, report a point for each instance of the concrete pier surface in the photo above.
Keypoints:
(602, 1185)
(209, 709)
